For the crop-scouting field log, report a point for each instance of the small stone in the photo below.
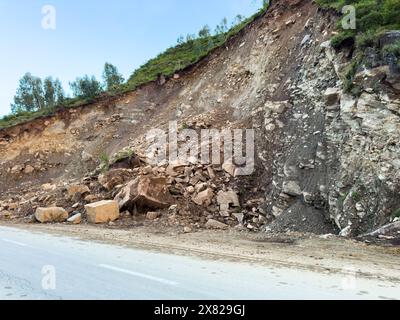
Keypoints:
(29, 169)
(187, 230)
(291, 188)
(345, 232)
(332, 96)
(191, 190)
(75, 219)
(49, 187)
(229, 168)
(214, 224)
(153, 215)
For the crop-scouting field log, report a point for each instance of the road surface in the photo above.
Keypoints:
(41, 266)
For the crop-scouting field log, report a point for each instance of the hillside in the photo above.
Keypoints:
(326, 159)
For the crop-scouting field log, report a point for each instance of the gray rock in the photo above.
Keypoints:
(389, 37)
(291, 188)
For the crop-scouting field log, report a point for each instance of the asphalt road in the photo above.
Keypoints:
(41, 266)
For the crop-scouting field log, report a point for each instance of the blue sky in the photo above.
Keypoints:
(88, 33)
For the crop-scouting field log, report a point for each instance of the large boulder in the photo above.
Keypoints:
(102, 212)
(55, 214)
(145, 192)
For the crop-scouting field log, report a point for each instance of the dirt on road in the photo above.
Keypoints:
(326, 254)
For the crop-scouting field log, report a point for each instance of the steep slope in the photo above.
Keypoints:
(325, 161)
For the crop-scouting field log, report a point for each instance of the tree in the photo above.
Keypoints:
(190, 37)
(112, 78)
(205, 32)
(222, 28)
(86, 87)
(29, 96)
(238, 19)
(53, 93)
(181, 40)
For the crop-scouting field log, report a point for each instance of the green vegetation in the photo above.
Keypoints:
(34, 94)
(187, 52)
(104, 162)
(396, 214)
(124, 154)
(112, 78)
(373, 18)
(356, 196)
(86, 87)
(37, 100)
(393, 49)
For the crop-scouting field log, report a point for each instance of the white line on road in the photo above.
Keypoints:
(15, 242)
(140, 275)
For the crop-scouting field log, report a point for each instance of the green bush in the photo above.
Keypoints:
(343, 38)
(396, 213)
(373, 17)
(393, 49)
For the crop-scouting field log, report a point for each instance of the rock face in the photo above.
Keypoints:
(389, 37)
(145, 192)
(102, 211)
(47, 215)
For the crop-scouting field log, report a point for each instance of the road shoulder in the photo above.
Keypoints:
(307, 252)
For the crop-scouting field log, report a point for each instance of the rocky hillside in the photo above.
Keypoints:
(326, 161)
